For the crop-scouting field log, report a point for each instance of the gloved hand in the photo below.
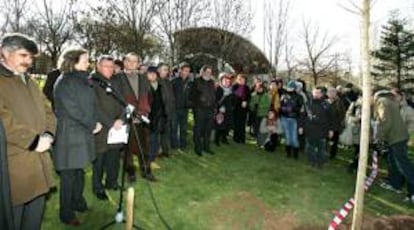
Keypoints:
(44, 143)
(381, 147)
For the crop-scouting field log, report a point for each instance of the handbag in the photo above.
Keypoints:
(346, 136)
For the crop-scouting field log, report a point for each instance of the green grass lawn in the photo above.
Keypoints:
(241, 187)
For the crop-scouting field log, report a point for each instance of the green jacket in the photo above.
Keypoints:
(261, 102)
(390, 127)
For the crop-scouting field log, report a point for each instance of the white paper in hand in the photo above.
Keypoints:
(118, 136)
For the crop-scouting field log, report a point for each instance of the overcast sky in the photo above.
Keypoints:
(332, 18)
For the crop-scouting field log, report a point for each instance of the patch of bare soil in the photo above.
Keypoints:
(245, 211)
(396, 222)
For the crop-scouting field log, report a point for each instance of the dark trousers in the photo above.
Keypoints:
(72, 182)
(315, 150)
(165, 137)
(29, 216)
(354, 163)
(142, 153)
(239, 119)
(179, 129)
(107, 162)
(334, 147)
(256, 125)
(154, 146)
(400, 167)
(203, 124)
(221, 136)
(395, 179)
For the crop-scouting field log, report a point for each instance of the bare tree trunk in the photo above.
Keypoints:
(366, 111)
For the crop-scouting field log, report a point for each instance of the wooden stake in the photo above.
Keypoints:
(130, 209)
(366, 115)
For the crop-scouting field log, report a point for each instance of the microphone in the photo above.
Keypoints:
(130, 109)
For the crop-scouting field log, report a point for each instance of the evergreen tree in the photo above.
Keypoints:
(394, 59)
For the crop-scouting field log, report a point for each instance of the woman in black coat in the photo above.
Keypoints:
(74, 101)
(241, 94)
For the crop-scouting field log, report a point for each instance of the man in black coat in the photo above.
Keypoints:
(181, 87)
(317, 126)
(169, 104)
(203, 96)
(6, 211)
(339, 111)
(109, 115)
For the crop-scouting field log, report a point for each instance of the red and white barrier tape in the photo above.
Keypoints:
(343, 213)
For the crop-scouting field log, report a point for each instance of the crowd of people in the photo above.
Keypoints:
(275, 113)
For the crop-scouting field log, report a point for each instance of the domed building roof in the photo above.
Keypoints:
(212, 44)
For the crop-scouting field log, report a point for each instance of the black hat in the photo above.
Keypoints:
(152, 69)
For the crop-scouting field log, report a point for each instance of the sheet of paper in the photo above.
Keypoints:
(118, 136)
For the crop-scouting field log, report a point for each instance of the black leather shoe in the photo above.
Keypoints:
(114, 187)
(101, 195)
(199, 153)
(150, 178)
(73, 222)
(132, 178)
(209, 152)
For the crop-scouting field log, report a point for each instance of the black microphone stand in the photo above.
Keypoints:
(130, 117)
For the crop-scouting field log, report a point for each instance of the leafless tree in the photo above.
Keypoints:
(133, 20)
(231, 15)
(276, 15)
(12, 12)
(289, 59)
(318, 46)
(176, 15)
(52, 27)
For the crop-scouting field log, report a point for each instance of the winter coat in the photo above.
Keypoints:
(225, 103)
(260, 103)
(266, 129)
(390, 125)
(157, 116)
(407, 113)
(108, 110)
(23, 112)
(6, 218)
(203, 94)
(353, 118)
(181, 89)
(291, 105)
(52, 76)
(241, 93)
(168, 97)
(141, 103)
(319, 119)
(339, 112)
(275, 101)
(75, 109)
